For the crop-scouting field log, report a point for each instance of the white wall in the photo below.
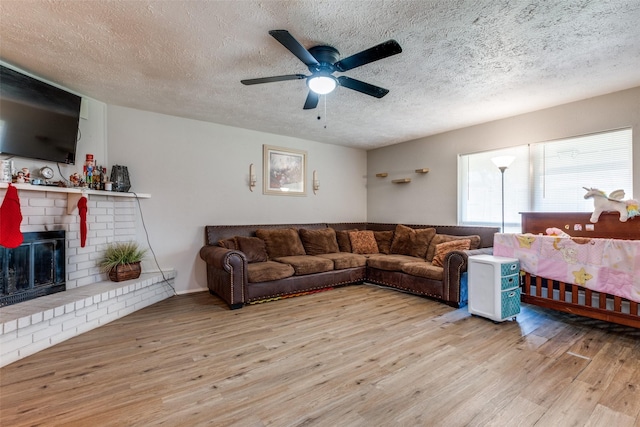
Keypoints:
(198, 172)
(432, 198)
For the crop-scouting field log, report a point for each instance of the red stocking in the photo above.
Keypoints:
(82, 210)
(10, 219)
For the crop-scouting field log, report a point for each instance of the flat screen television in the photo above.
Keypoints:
(37, 120)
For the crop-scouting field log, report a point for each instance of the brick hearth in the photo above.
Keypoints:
(90, 299)
(32, 326)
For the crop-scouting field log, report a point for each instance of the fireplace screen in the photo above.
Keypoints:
(33, 269)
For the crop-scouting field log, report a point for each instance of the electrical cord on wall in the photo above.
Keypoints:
(65, 180)
(144, 226)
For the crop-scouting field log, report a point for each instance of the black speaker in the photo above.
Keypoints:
(120, 178)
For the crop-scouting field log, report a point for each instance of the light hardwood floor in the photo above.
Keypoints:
(354, 356)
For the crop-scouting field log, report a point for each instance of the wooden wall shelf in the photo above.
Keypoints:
(423, 170)
(382, 175)
(401, 181)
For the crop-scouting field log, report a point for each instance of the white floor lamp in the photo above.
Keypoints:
(502, 162)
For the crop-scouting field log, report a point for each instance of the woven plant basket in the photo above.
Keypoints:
(125, 272)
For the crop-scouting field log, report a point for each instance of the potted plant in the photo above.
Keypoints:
(122, 261)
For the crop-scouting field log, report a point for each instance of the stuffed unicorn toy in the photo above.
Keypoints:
(611, 203)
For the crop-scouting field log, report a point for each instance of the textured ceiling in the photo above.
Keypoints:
(463, 62)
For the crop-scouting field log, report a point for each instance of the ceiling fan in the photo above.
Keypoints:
(322, 62)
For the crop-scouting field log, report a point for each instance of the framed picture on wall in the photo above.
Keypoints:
(284, 171)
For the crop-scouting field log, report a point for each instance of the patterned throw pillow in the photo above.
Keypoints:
(442, 249)
(363, 242)
(442, 238)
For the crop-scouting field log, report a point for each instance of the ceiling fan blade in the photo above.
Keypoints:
(312, 101)
(294, 46)
(272, 79)
(362, 87)
(383, 50)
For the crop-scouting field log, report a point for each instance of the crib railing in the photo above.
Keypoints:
(578, 300)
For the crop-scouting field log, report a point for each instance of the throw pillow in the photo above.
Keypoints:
(363, 242)
(442, 238)
(421, 241)
(281, 242)
(253, 248)
(318, 242)
(412, 241)
(442, 249)
(344, 243)
(384, 239)
(403, 238)
(228, 243)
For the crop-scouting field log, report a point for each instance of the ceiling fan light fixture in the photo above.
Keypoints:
(322, 84)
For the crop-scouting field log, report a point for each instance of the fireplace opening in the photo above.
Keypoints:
(33, 269)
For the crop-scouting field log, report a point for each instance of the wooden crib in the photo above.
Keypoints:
(572, 298)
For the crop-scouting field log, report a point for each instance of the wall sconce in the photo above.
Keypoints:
(316, 183)
(252, 177)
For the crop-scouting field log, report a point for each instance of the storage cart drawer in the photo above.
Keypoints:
(510, 303)
(509, 282)
(509, 268)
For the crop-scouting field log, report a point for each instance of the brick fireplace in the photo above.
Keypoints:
(89, 300)
(35, 268)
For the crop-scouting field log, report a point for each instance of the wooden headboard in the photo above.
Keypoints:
(577, 224)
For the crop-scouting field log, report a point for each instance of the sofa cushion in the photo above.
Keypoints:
(411, 241)
(423, 269)
(253, 248)
(384, 239)
(442, 238)
(281, 242)
(391, 262)
(306, 264)
(343, 260)
(344, 243)
(442, 249)
(316, 242)
(267, 271)
(228, 243)
(363, 242)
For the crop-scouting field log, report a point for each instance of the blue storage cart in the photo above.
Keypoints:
(494, 287)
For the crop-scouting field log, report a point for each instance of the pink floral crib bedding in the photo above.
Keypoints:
(604, 265)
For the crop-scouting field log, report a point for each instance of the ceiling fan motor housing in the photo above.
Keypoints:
(326, 56)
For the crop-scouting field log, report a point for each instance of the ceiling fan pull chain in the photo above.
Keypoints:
(325, 111)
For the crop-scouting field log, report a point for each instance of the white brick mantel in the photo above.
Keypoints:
(111, 217)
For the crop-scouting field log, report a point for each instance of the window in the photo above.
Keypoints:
(547, 176)
(480, 192)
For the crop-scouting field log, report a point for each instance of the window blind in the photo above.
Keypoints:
(560, 170)
(544, 177)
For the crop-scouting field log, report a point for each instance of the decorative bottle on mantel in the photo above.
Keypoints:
(97, 178)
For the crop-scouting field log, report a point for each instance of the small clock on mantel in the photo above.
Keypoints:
(46, 172)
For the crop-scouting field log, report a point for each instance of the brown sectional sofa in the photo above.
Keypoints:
(252, 263)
